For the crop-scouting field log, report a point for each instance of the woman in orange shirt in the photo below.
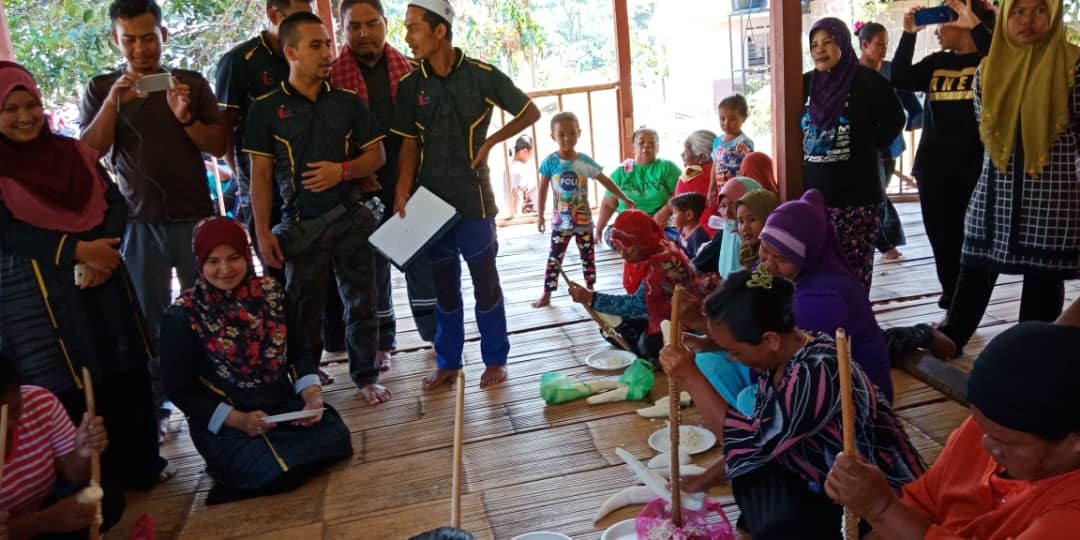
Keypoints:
(1010, 471)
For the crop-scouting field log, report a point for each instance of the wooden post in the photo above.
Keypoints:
(625, 93)
(326, 13)
(787, 95)
(7, 50)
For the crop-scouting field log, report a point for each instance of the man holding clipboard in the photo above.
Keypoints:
(444, 107)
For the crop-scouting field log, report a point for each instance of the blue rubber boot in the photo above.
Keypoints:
(449, 338)
(494, 343)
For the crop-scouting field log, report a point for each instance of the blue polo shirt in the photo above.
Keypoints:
(450, 115)
(295, 131)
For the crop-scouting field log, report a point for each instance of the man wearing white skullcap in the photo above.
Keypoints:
(444, 108)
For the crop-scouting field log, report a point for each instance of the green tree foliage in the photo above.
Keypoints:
(66, 42)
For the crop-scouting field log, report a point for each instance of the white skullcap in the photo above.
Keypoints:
(442, 8)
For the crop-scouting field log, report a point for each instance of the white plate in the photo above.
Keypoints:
(705, 439)
(623, 530)
(541, 535)
(290, 416)
(610, 359)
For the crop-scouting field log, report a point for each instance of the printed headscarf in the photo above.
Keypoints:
(829, 89)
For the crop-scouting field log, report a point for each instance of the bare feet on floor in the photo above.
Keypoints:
(439, 377)
(942, 346)
(383, 358)
(543, 300)
(325, 377)
(493, 375)
(375, 393)
(892, 255)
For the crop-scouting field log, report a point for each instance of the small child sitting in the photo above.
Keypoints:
(639, 239)
(686, 210)
(751, 210)
(727, 225)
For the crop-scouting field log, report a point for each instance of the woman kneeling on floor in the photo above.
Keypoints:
(47, 460)
(778, 457)
(225, 363)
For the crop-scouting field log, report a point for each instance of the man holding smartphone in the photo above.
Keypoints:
(153, 143)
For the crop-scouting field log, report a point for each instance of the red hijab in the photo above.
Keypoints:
(51, 182)
(759, 166)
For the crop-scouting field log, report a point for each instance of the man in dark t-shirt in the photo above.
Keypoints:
(153, 142)
(246, 72)
(371, 67)
(312, 142)
(445, 107)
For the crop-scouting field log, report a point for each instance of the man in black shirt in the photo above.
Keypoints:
(246, 72)
(445, 108)
(371, 67)
(315, 141)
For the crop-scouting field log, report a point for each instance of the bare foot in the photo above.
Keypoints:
(493, 375)
(325, 377)
(375, 393)
(439, 377)
(942, 347)
(892, 255)
(383, 358)
(544, 300)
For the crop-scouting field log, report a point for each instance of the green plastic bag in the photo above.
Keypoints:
(639, 377)
(558, 388)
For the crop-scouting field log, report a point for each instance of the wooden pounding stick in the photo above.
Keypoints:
(607, 330)
(850, 523)
(673, 413)
(459, 424)
(3, 441)
(95, 457)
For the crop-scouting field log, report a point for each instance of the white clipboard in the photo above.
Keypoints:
(427, 217)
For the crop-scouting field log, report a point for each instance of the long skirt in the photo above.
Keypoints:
(280, 460)
(856, 229)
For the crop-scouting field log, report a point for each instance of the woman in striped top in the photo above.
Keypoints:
(778, 457)
(44, 450)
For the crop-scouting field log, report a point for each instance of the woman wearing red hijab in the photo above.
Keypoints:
(65, 298)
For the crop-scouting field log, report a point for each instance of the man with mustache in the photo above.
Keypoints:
(320, 146)
(371, 67)
(153, 143)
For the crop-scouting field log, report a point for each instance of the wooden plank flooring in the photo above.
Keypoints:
(528, 466)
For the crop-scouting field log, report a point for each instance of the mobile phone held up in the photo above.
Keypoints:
(158, 82)
(936, 15)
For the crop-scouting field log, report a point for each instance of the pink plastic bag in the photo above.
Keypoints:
(654, 523)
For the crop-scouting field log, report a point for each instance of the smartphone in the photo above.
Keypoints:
(157, 82)
(80, 274)
(937, 15)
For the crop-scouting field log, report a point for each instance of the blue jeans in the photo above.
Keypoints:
(476, 242)
(151, 251)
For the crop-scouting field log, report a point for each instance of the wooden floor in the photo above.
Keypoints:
(528, 466)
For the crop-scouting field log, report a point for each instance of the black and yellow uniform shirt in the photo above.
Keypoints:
(450, 115)
(246, 72)
(296, 131)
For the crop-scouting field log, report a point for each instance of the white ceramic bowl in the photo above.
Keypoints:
(542, 535)
(623, 530)
(705, 440)
(610, 359)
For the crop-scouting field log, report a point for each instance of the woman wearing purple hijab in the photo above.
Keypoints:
(850, 115)
(798, 243)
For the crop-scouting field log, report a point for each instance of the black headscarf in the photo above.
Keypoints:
(1028, 379)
